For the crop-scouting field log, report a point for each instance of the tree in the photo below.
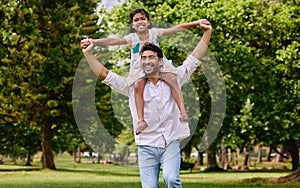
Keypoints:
(257, 54)
(40, 53)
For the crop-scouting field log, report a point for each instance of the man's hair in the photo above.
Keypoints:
(134, 12)
(152, 47)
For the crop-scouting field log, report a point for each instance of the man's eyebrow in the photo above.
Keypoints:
(148, 56)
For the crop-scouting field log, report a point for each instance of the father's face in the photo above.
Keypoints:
(151, 64)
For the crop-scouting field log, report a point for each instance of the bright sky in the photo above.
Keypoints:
(110, 3)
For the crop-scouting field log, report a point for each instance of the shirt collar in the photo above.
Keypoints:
(158, 83)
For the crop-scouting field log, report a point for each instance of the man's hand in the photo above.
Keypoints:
(87, 45)
(204, 24)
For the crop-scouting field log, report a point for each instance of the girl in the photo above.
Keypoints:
(142, 31)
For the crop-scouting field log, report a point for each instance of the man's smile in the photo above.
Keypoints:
(148, 67)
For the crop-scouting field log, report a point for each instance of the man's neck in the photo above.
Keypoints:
(153, 79)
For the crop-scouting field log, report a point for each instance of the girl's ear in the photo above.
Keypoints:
(131, 30)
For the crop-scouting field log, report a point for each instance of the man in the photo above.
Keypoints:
(158, 145)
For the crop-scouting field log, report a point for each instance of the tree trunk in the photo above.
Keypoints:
(232, 157)
(269, 155)
(98, 158)
(28, 162)
(200, 159)
(211, 159)
(292, 147)
(259, 157)
(77, 155)
(13, 158)
(47, 135)
(247, 158)
(294, 176)
(224, 156)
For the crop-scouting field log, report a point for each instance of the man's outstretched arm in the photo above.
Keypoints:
(202, 46)
(115, 81)
(95, 65)
(194, 60)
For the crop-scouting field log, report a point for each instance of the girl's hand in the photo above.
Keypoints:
(204, 24)
(84, 43)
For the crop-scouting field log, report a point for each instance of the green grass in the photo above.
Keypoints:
(86, 174)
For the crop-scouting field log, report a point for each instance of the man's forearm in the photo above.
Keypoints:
(96, 66)
(202, 46)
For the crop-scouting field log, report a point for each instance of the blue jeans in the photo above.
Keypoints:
(152, 158)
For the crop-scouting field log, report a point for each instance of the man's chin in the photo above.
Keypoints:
(151, 71)
(148, 72)
(151, 75)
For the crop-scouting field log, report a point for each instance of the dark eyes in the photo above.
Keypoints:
(151, 58)
(136, 20)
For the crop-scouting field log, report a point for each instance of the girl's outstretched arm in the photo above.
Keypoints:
(109, 41)
(180, 27)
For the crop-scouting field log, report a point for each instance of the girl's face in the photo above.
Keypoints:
(140, 22)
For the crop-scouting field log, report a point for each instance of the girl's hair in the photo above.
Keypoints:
(152, 47)
(142, 11)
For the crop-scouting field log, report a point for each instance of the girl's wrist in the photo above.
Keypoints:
(196, 22)
(93, 40)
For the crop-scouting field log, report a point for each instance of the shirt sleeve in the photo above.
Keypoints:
(129, 40)
(185, 70)
(157, 34)
(160, 31)
(117, 83)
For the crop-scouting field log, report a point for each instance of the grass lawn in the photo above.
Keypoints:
(86, 174)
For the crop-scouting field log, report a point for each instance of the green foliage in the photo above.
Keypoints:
(249, 38)
(39, 55)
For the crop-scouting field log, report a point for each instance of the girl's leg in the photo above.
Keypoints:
(171, 80)
(139, 86)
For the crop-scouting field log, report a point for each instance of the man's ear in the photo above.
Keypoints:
(161, 62)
